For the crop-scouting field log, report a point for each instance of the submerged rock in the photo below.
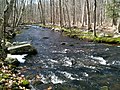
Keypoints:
(22, 49)
(45, 37)
(63, 43)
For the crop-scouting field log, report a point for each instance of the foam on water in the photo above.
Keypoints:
(52, 78)
(53, 61)
(67, 61)
(69, 75)
(101, 60)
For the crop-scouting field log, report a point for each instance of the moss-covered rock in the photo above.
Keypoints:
(25, 83)
(12, 61)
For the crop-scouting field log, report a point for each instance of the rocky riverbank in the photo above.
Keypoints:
(11, 77)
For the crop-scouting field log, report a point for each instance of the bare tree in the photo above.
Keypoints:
(74, 12)
(95, 6)
(60, 7)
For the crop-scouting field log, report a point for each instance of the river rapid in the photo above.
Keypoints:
(70, 64)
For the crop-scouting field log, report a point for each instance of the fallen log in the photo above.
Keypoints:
(22, 49)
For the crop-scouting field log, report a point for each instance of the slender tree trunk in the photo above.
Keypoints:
(14, 15)
(40, 12)
(74, 12)
(68, 15)
(88, 11)
(114, 20)
(84, 14)
(61, 19)
(57, 14)
(119, 27)
(43, 12)
(21, 13)
(53, 12)
(95, 6)
(64, 14)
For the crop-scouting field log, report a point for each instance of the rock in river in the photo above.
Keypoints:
(22, 49)
(12, 61)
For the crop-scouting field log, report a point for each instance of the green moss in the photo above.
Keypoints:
(18, 32)
(6, 76)
(107, 40)
(25, 83)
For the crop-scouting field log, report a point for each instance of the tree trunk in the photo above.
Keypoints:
(84, 14)
(119, 26)
(74, 12)
(61, 19)
(64, 14)
(114, 21)
(95, 6)
(7, 12)
(69, 21)
(43, 12)
(51, 12)
(88, 11)
(40, 12)
(21, 13)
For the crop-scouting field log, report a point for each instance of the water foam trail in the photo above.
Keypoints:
(100, 59)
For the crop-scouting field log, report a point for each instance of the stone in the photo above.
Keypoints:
(8, 44)
(63, 43)
(104, 88)
(116, 36)
(45, 37)
(12, 61)
(37, 83)
(101, 35)
(57, 29)
(25, 83)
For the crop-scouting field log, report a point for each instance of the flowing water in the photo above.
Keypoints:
(77, 65)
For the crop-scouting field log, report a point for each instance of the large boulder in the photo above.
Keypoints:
(22, 49)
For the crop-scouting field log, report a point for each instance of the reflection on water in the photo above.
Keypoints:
(78, 65)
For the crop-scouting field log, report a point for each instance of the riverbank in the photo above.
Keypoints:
(11, 77)
(79, 33)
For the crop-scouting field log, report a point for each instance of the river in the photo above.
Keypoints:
(70, 64)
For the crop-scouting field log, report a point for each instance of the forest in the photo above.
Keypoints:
(59, 44)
